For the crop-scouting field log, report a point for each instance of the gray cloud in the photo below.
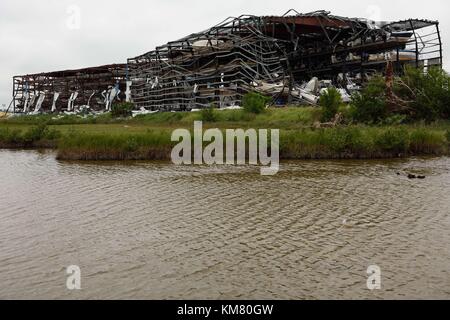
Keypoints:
(35, 37)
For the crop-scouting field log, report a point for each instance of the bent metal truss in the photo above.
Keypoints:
(273, 55)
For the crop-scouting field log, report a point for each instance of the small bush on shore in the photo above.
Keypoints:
(425, 141)
(393, 140)
(254, 102)
(330, 102)
(10, 137)
(208, 114)
(122, 110)
(369, 105)
(35, 134)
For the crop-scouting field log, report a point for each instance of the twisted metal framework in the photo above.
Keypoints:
(271, 54)
(56, 89)
(216, 66)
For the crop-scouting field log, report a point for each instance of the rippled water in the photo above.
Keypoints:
(158, 231)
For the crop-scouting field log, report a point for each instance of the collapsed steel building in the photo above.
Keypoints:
(71, 90)
(273, 55)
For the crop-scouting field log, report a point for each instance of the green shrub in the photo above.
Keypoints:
(426, 141)
(330, 102)
(35, 134)
(254, 102)
(32, 135)
(393, 140)
(9, 136)
(52, 134)
(208, 115)
(122, 110)
(352, 140)
(369, 105)
(131, 145)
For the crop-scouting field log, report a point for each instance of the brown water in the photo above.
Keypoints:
(158, 231)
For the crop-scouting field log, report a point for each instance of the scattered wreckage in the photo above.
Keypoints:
(291, 58)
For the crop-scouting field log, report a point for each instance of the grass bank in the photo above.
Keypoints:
(148, 137)
(288, 118)
(363, 142)
(38, 136)
(151, 145)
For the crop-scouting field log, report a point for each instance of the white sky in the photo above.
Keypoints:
(35, 36)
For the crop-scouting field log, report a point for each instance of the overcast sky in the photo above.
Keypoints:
(48, 35)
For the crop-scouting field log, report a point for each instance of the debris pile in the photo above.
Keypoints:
(291, 58)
